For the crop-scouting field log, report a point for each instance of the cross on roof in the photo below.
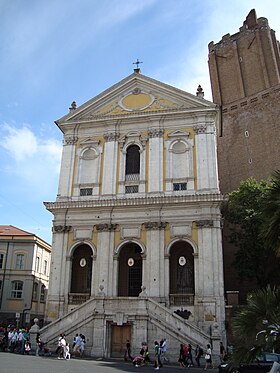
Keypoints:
(137, 63)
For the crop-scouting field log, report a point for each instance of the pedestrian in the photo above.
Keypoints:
(58, 343)
(82, 346)
(198, 354)
(66, 353)
(157, 356)
(38, 344)
(163, 350)
(77, 347)
(128, 351)
(145, 353)
(189, 358)
(222, 352)
(208, 358)
(62, 347)
(181, 359)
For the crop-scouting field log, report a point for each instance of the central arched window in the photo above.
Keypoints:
(132, 169)
(132, 164)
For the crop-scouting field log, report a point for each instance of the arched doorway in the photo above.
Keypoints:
(81, 270)
(130, 270)
(181, 270)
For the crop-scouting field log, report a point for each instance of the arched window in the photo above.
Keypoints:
(81, 270)
(17, 288)
(130, 271)
(132, 164)
(132, 169)
(181, 267)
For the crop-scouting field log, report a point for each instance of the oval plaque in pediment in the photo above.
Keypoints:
(136, 101)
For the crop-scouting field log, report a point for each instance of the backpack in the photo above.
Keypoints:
(200, 351)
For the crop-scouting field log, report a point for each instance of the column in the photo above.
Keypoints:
(206, 156)
(67, 167)
(56, 291)
(110, 164)
(155, 273)
(155, 181)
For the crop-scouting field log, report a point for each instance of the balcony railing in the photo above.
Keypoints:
(181, 299)
(132, 177)
(78, 298)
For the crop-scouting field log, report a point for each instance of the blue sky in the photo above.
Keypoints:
(56, 51)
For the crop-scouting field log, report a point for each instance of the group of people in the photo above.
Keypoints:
(144, 357)
(63, 348)
(16, 340)
(186, 355)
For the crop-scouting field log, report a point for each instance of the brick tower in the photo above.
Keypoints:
(245, 79)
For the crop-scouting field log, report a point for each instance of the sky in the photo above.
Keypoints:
(56, 51)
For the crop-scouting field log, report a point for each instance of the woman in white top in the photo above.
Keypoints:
(208, 358)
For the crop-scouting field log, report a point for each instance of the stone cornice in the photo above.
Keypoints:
(215, 198)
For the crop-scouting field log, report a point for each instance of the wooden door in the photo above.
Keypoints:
(120, 335)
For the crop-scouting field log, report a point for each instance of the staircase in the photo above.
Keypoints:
(160, 318)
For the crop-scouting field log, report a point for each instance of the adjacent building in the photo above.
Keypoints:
(24, 276)
(245, 78)
(136, 222)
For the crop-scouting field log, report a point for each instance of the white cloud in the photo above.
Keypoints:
(20, 143)
(33, 161)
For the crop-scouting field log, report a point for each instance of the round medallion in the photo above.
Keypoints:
(130, 262)
(83, 262)
(182, 261)
(136, 101)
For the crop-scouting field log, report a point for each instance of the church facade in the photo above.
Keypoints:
(137, 250)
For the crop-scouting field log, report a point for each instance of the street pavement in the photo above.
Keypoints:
(14, 363)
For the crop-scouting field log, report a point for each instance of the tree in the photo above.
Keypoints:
(256, 327)
(271, 213)
(243, 210)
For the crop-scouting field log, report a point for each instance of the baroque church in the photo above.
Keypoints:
(137, 244)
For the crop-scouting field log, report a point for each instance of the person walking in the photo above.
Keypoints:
(163, 350)
(128, 351)
(198, 354)
(157, 356)
(181, 359)
(208, 358)
(190, 358)
(222, 352)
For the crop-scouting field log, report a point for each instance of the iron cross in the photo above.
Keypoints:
(137, 63)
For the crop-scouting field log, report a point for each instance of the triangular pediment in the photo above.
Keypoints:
(178, 133)
(135, 95)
